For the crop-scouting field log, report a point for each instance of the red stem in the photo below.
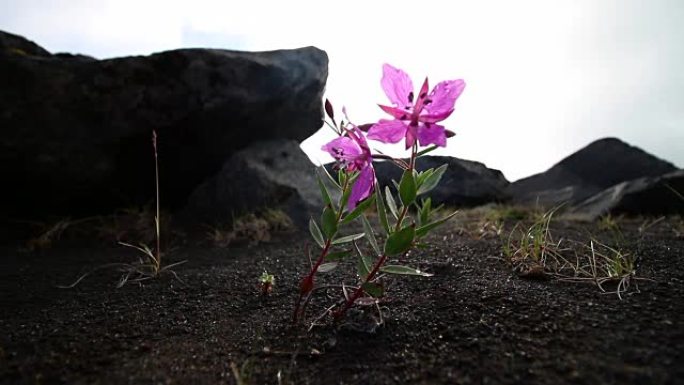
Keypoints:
(359, 291)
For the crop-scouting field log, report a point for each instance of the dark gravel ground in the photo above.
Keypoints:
(473, 322)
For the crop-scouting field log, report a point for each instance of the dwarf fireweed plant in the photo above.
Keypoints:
(404, 211)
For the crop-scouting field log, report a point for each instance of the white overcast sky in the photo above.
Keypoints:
(544, 78)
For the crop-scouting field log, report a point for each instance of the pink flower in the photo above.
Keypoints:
(352, 153)
(415, 117)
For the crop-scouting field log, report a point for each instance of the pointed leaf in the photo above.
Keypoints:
(363, 266)
(316, 233)
(329, 177)
(358, 210)
(348, 238)
(326, 267)
(391, 204)
(368, 230)
(407, 188)
(400, 241)
(433, 180)
(382, 213)
(425, 211)
(425, 229)
(403, 270)
(337, 256)
(373, 289)
(422, 176)
(324, 191)
(329, 222)
(427, 150)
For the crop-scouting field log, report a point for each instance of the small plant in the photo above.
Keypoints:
(149, 264)
(266, 282)
(530, 250)
(405, 215)
(601, 265)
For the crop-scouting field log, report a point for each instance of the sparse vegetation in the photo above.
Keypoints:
(601, 265)
(266, 282)
(531, 251)
(534, 252)
(149, 263)
(251, 228)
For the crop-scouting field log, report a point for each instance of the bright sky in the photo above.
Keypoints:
(544, 78)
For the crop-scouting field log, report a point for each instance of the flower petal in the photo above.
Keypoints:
(397, 113)
(431, 134)
(397, 85)
(387, 131)
(363, 187)
(442, 100)
(343, 148)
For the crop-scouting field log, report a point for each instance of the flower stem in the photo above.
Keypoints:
(306, 285)
(359, 291)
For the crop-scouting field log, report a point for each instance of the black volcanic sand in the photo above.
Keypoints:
(474, 322)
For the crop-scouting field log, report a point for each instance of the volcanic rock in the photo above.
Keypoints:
(601, 164)
(77, 131)
(661, 195)
(266, 175)
(465, 183)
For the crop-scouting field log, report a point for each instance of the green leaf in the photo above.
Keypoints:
(329, 177)
(429, 149)
(324, 191)
(341, 176)
(316, 233)
(425, 211)
(391, 203)
(373, 289)
(358, 210)
(344, 199)
(363, 267)
(422, 176)
(407, 188)
(382, 213)
(403, 270)
(433, 180)
(400, 241)
(326, 267)
(337, 256)
(368, 230)
(348, 238)
(425, 229)
(329, 222)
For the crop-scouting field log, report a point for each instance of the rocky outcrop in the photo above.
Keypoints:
(266, 175)
(643, 196)
(76, 132)
(601, 164)
(465, 183)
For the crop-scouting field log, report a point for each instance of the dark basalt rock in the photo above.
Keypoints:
(601, 164)
(266, 175)
(465, 183)
(77, 131)
(643, 196)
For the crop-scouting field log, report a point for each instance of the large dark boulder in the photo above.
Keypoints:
(661, 195)
(601, 164)
(465, 183)
(76, 132)
(266, 175)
